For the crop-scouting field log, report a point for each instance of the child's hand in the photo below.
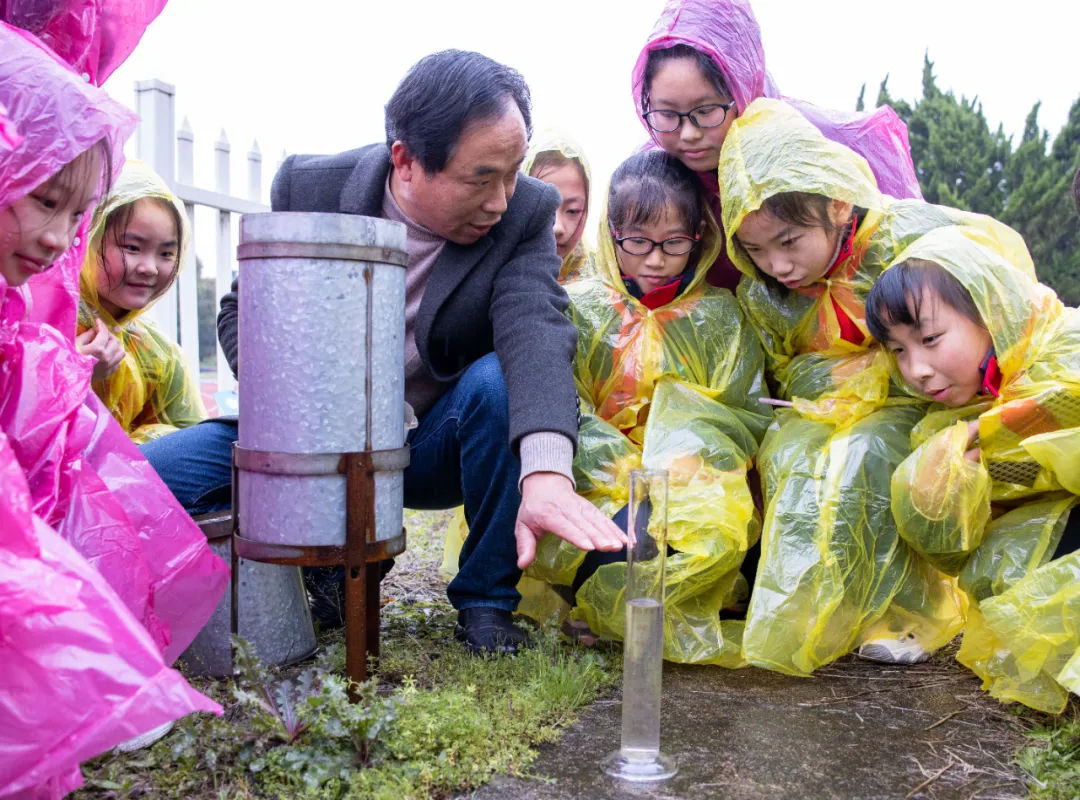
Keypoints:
(102, 345)
(973, 453)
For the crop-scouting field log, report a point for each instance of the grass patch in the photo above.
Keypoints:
(435, 720)
(1053, 760)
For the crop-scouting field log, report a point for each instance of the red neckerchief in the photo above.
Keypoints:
(849, 331)
(661, 295)
(991, 382)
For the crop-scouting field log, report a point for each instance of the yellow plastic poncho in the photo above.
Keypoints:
(153, 392)
(772, 149)
(997, 521)
(579, 263)
(672, 388)
(833, 571)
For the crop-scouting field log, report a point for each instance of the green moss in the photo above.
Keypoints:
(434, 721)
(451, 727)
(1053, 760)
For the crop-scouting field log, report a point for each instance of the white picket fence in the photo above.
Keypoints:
(171, 153)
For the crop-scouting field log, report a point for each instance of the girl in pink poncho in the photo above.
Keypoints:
(103, 578)
(703, 64)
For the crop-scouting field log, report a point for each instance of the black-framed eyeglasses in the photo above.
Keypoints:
(642, 246)
(711, 115)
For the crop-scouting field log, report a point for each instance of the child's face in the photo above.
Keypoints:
(679, 85)
(941, 355)
(795, 255)
(140, 260)
(657, 268)
(570, 216)
(38, 227)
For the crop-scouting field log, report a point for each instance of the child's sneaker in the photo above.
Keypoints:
(901, 650)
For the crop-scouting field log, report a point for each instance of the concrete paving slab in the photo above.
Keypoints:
(855, 730)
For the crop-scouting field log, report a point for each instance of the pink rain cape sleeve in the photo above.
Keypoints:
(83, 495)
(728, 32)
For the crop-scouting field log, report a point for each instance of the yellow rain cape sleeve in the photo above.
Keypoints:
(833, 571)
(579, 263)
(153, 392)
(672, 388)
(997, 521)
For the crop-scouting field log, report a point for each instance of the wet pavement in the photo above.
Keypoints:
(855, 730)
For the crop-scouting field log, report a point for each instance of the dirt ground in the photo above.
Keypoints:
(855, 730)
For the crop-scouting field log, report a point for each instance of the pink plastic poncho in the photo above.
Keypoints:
(93, 36)
(86, 478)
(81, 670)
(727, 31)
(80, 674)
(10, 138)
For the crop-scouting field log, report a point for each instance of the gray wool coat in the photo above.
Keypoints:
(499, 294)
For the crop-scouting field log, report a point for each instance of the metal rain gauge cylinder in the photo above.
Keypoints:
(321, 340)
(639, 758)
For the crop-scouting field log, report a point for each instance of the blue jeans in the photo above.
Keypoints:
(460, 454)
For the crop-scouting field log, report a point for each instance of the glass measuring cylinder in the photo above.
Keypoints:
(639, 757)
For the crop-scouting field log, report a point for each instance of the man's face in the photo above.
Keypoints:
(464, 200)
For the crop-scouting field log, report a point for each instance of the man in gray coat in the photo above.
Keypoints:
(487, 347)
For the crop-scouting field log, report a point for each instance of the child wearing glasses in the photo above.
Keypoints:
(992, 491)
(702, 65)
(810, 232)
(669, 376)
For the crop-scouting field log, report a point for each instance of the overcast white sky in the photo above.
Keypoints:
(313, 76)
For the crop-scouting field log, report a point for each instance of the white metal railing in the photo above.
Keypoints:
(171, 153)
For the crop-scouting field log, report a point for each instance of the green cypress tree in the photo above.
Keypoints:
(1029, 184)
(1055, 242)
(959, 161)
(901, 107)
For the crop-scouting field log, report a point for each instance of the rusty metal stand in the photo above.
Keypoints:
(359, 555)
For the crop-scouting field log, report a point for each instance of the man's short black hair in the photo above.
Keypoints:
(444, 92)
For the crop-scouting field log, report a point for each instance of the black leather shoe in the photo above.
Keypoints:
(486, 630)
